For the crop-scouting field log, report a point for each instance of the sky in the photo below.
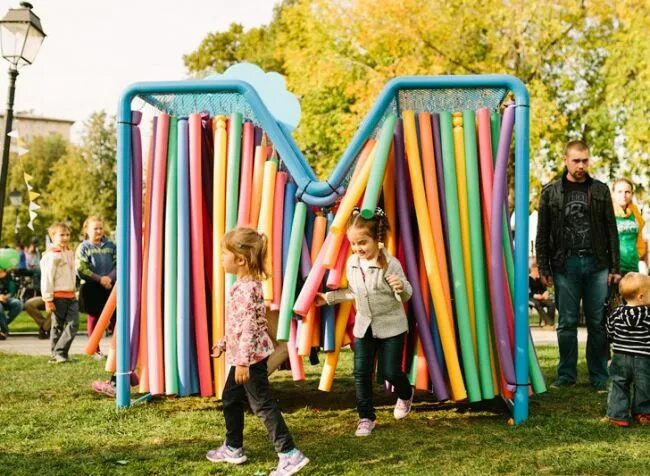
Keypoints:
(95, 48)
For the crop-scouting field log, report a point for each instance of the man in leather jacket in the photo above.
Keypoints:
(577, 250)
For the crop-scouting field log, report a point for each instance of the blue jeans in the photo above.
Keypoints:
(626, 370)
(390, 350)
(582, 280)
(8, 312)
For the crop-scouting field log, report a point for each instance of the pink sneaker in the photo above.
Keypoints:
(365, 427)
(403, 407)
(290, 463)
(226, 454)
(106, 387)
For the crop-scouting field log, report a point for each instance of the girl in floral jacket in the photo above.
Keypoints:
(248, 345)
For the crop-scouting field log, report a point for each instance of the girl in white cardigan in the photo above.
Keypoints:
(377, 284)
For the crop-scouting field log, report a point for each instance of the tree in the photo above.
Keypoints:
(338, 55)
(44, 152)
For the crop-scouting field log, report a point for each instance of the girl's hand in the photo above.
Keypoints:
(395, 282)
(218, 349)
(242, 375)
(320, 299)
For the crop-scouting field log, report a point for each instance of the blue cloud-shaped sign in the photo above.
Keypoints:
(272, 89)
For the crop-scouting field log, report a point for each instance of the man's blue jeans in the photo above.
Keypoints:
(582, 280)
(8, 312)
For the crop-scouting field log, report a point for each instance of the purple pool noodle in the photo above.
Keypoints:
(135, 241)
(305, 259)
(207, 159)
(404, 215)
(259, 132)
(497, 271)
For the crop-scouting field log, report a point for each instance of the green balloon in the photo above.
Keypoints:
(9, 258)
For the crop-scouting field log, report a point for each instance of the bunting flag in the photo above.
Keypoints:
(33, 206)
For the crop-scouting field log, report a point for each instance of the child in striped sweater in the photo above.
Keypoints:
(628, 328)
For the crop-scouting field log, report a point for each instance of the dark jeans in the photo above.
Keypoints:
(546, 310)
(365, 350)
(261, 402)
(65, 324)
(625, 371)
(582, 280)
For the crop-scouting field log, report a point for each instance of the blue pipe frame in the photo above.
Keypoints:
(324, 193)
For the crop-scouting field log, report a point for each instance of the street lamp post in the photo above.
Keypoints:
(16, 200)
(21, 36)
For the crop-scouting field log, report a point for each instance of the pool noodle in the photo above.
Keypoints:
(246, 180)
(291, 272)
(265, 223)
(198, 267)
(277, 225)
(170, 263)
(405, 135)
(135, 265)
(388, 188)
(219, 229)
(331, 358)
(457, 264)
(376, 177)
(183, 303)
(258, 178)
(477, 255)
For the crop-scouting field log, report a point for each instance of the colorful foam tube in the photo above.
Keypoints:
(155, 263)
(406, 236)
(297, 368)
(265, 224)
(291, 272)
(218, 230)
(332, 358)
(246, 179)
(457, 265)
(198, 265)
(497, 272)
(102, 323)
(278, 220)
(135, 242)
(376, 178)
(234, 162)
(289, 207)
(352, 196)
(335, 274)
(183, 302)
(481, 299)
(312, 283)
(408, 142)
(388, 190)
(143, 357)
(170, 260)
(258, 179)
(433, 200)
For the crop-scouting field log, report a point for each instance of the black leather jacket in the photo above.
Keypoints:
(549, 246)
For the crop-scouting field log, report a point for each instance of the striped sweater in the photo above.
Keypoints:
(628, 328)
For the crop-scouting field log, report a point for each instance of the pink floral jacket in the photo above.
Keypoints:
(247, 338)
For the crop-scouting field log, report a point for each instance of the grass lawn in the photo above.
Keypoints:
(54, 424)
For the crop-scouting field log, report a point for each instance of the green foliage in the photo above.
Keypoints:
(54, 424)
(584, 63)
(74, 181)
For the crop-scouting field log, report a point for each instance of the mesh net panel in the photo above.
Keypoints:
(416, 100)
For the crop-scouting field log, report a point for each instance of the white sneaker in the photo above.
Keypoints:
(403, 407)
(365, 427)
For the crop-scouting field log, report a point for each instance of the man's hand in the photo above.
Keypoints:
(613, 278)
(547, 280)
(4, 298)
(49, 306)
(106, 282)
(242, 375)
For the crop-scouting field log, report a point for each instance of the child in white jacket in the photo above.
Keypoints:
(58, 282)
